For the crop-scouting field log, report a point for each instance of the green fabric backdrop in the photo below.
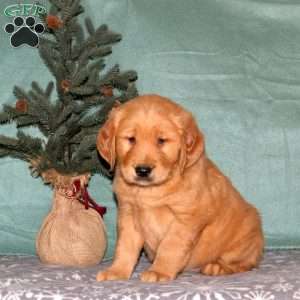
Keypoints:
(234, 63)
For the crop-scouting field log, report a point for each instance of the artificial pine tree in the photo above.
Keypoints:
(85, 96)
(66, 156)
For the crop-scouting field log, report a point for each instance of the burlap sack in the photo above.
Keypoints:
(70, 234)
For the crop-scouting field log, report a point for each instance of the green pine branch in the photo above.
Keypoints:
(9, 114)
(23, 147)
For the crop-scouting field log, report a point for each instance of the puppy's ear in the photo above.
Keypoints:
(192, 144)
(106, 139)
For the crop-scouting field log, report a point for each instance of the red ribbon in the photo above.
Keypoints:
(85, 198)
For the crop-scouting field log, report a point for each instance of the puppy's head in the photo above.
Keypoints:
(150, 139)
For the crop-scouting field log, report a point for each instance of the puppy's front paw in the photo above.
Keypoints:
(110, 274)
(153, 276)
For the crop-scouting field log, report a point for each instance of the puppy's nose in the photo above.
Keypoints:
(143, 170)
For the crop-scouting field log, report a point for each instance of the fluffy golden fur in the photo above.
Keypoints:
(185, 213)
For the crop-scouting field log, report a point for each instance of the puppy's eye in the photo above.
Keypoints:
(131, 140)
(161, 141)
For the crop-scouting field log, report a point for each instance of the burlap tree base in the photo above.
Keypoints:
(71, 234)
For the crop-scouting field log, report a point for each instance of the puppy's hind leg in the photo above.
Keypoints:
(236, 260)
(222, 268)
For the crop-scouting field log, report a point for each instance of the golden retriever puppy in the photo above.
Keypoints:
(173, 202)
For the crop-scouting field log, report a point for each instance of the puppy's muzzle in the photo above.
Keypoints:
(143, 171)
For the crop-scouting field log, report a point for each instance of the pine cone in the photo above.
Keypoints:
(53, 22)
(65, 85)
(106, 91)
(22, 105)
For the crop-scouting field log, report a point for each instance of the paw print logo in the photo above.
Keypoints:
(24, 31)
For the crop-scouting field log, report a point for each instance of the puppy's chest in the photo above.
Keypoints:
(153, 223)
